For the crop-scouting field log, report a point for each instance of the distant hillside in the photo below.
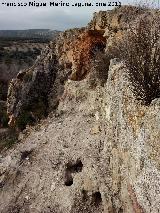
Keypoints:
(30, 33)
(18, 51)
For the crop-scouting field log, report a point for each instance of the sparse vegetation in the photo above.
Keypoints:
(20, 51)
(7, 143)
(39, 109)
(9, 56)
(24, 119)
(140, 50)
(32, 113)
(27, 77)
(8, 137)
(4, 119)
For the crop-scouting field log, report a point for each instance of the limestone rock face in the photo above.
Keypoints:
(76, 50)
(97, 152)
(72, 56)
(114, 23)
(43, 83)
(29, 91)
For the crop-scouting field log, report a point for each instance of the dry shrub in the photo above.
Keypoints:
(140, 50)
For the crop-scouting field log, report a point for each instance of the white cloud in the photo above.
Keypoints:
(59, 18)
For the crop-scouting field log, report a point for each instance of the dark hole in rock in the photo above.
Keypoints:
(25, 154)
(69, 182)
(84, 195)
(68, 178)
(2, 183)
(120, 210)
(96, 198)
(115, 30)
(68, 65)
(99, 47)
(75, 167)
(72, 168)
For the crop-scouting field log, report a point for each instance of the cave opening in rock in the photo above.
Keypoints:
(98, 47)
(85, 51)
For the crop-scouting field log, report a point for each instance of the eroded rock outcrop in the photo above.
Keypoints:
(98, 151)
(27, 94)
(78, 51)
(73, 56)
(70, 58)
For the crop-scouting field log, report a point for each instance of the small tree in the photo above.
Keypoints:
(140, 50)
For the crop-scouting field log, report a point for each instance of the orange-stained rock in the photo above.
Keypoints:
(76, 51)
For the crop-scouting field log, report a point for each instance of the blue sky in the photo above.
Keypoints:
(59, 18)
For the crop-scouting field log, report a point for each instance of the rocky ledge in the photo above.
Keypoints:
(98, 149)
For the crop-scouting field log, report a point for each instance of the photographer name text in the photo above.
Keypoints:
(61, 4)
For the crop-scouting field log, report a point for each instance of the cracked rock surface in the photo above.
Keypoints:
(98, 150)
(98, 154)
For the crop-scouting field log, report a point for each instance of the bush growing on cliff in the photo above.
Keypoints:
(141, 53)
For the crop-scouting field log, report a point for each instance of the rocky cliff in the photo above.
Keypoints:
(15, 55)
(75, 55)
(98, 149)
